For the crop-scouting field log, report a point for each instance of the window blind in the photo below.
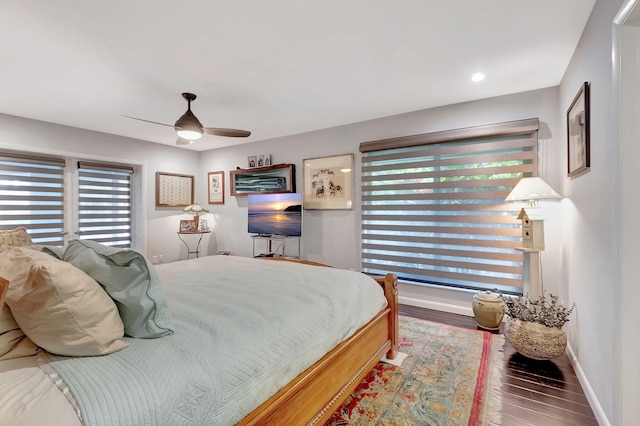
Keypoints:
(32, 196)
(433, 208)
(104, 203)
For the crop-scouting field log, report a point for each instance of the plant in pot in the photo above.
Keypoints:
(534, 327)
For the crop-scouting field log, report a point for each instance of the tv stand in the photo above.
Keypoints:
(277, 251)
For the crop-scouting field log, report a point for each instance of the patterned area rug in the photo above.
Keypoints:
(452, 377)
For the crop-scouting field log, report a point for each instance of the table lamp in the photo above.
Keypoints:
(195, 210)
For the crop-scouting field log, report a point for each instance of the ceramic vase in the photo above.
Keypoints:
(488, 309)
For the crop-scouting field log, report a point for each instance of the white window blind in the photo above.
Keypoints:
(32, 196)
(433, 208)
(104, 203)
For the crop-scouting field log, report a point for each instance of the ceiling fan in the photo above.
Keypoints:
(189, 128)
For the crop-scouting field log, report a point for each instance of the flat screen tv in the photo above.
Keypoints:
(275, 214)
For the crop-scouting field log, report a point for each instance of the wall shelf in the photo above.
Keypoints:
(263, 180)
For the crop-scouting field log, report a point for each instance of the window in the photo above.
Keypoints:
(34, 193)
(104, 203)
(433, 208)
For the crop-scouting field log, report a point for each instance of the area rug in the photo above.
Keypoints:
(451, 376)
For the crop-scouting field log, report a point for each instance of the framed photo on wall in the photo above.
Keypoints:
(173, 190)
(216, 187)
(578, 132)
(328, 183)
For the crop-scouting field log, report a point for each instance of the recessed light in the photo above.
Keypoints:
(477, 77)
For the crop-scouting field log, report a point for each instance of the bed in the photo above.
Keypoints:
(310, 345)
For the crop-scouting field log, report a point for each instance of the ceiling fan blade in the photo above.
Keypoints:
(148, 121)
(233, 133)
(181, 141)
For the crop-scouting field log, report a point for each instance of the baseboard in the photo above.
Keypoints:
(438, 306)
(588, 391)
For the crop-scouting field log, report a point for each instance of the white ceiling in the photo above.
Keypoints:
(278, 67)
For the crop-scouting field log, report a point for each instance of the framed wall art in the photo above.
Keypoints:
(173, 190)
(187, 226)
(216, 187)
(578, 131)
(328, 183)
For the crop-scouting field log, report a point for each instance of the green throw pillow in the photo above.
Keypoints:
(130, 280)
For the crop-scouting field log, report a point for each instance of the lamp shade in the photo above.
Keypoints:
(190, 133)
(195, 209)
(532, 188)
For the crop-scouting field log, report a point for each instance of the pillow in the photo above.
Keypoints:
(13, 342)
(17, 237)
(4, 285)
(59, 307)
(130, 280)
(54, 251)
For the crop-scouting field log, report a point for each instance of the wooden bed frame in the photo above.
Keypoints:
(313, 396)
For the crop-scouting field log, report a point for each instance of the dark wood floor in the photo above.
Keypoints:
(534, 393)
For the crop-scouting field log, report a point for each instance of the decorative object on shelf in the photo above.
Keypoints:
(328, 183)
(578, 133)
(272, 179)
(173, 190)
(534, 327)
(488, 308)
(532, 189)
(216, 187)
(204, 226)
(195, 210)
(187, 226)
(262, 160)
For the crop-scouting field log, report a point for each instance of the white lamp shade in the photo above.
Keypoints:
(195, 209)
(532, 188)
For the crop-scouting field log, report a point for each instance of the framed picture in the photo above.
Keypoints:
(267, 160)
(578, 131)
(173, 190)
(187, 226)
(328, 183)
(252, 161)
(216, 187)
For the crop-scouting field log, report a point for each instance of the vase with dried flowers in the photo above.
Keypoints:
(534, 327)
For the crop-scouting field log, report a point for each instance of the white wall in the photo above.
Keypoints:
(159, 224)
(333, 237)
(590, 253)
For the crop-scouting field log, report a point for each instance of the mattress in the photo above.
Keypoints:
(244, 328)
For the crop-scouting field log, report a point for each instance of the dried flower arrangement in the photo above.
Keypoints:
(545, 310)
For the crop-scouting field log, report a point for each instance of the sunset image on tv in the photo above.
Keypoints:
(275, 214)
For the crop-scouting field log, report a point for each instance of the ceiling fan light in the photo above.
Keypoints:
(190, 133)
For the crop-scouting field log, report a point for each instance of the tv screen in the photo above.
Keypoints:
(275, 214)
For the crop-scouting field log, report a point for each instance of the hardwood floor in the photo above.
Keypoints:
(534, 393)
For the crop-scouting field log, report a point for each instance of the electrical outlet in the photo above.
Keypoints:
(160, 258)
(154, 259)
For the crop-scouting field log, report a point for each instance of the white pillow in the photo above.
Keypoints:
(59, 307)
(17, 237)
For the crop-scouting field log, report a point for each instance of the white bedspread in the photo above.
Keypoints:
(243, 329)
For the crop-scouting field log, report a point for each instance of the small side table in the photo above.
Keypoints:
(190, 251)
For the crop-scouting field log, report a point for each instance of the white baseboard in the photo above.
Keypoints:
(588, 391)
(446, 307)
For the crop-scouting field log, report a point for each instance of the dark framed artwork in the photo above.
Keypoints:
(174, 190)
(216, 187)
(578, 132)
